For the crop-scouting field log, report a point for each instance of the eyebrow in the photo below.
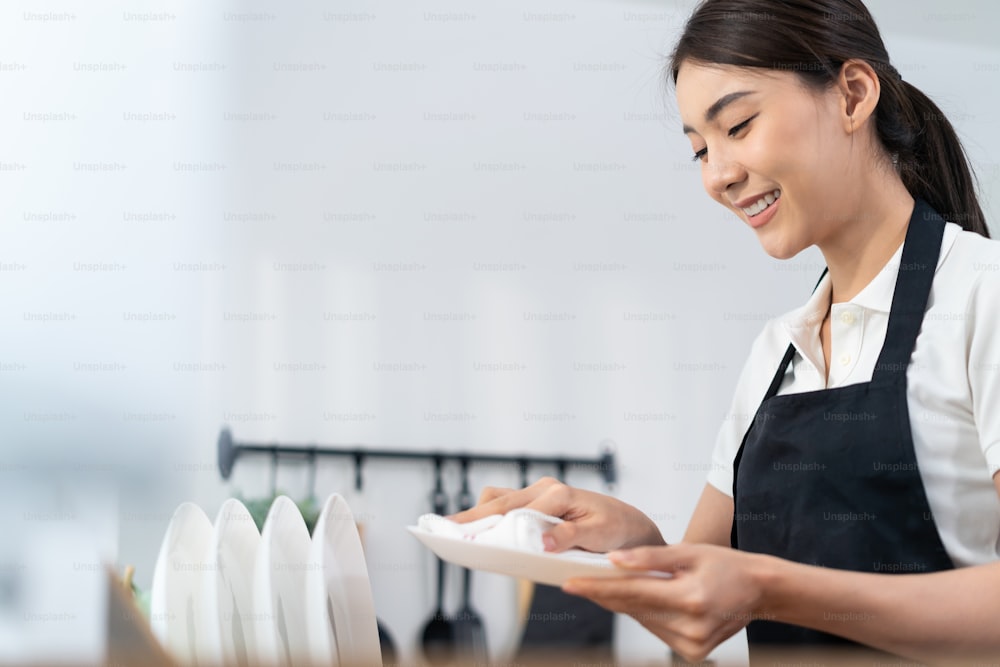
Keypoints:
(720, 104)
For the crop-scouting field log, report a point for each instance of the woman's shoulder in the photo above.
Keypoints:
(972, 261)
(974, 251)
(968, 276)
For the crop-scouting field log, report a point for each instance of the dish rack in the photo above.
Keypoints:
(226, 593)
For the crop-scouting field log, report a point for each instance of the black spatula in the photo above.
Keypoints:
(470, 634)
(439, 639)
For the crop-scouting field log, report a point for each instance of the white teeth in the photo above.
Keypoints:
(762, 203)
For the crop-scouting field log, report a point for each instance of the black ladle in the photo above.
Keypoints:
(469, 631)
(439, 632)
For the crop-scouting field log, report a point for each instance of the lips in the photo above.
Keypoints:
(753, 206)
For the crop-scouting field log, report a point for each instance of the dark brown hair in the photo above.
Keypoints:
(813, 39)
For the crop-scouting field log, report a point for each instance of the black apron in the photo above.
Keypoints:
(829, 477)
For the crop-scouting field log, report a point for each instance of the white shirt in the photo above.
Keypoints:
(953, 381)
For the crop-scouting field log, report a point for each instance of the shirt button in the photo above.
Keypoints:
(845, 359)
(847, 318)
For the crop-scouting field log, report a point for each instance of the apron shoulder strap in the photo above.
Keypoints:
(913, 286)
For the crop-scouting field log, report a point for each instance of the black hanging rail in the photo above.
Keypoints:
(230, 450)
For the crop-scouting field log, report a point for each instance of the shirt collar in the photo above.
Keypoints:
(802, 324)
(877, 295)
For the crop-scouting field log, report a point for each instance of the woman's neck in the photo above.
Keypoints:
(862, 244)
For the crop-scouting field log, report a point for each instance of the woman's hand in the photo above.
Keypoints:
(592, 521)
(714, 592)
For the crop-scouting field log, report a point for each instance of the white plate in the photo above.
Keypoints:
(541, 567)
(175, 608)
(340, 612)
(228, 587)
(280, 586)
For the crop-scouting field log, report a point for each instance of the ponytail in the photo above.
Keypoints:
(928, 153)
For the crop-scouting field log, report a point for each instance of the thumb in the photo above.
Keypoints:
(561, 537)
(674, 558)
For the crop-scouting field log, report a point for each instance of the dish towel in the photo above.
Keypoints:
(520, 529)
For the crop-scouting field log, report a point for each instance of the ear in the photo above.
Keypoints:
(860, 89)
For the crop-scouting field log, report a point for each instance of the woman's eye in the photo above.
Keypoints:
(736, 130)
(733, 131)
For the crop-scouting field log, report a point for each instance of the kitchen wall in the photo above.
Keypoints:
(466, 226)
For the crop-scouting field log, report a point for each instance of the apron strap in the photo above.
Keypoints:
(772, 391)
(916, 271)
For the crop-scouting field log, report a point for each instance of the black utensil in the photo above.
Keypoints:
(470, 634)
(439, 632)
(386, 644)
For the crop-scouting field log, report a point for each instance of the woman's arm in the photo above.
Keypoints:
(715, 591)
(930, 617)
(927, 616)
(712, 521)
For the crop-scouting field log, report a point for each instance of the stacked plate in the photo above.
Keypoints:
(226, 594)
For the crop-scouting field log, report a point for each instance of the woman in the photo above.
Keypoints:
(865, 477)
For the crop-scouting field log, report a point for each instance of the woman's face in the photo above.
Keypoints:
(761, 136)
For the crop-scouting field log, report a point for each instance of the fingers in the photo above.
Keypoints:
(501, 500)
(693, 638)
(674, 558)
(590, 532)
(677, 597)
(561, 537)
(662, 607)
(492, 493)
(686, 648)
(632, 594)
(483, 507)
(553, 498)
(591, 520)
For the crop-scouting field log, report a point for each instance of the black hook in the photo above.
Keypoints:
(359, 461)
(465, 496)
(438, 498)
(609, 469)
(312, 474)
(274, 473)
(522, 465)
(227, 453)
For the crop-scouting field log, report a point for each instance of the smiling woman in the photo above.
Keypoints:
(857, 474)
(810, 42)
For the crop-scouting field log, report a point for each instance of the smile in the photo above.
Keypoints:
(762, 204)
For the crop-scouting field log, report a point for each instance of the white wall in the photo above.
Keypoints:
(311, 195)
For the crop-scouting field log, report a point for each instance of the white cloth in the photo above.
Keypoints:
(520, 529)
(953, 379)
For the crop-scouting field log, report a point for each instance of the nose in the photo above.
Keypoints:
(720, 172)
